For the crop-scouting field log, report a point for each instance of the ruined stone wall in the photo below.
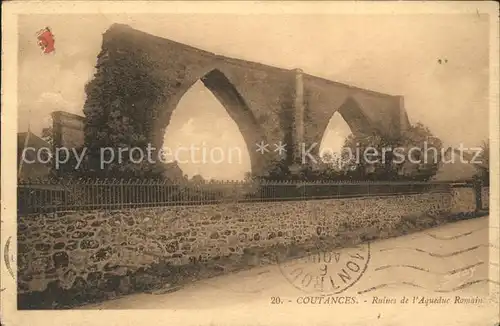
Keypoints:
(379, 111)
(260, 105)
(68, 129)
(265, 94)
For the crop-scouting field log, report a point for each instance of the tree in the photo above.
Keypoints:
(482, 163)
(418, 141)
(365, 157)
(197, 179)
(278, 170)
(328, 167)
(48, 135)
(378, 157)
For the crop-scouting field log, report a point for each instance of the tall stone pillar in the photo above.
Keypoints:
(298, 117)
(68, 129)
(67, 132)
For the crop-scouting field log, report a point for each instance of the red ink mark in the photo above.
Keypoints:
(46, 40)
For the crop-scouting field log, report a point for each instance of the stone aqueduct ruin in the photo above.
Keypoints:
(73, 257)
(267, 103)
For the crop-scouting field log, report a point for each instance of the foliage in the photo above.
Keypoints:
(353, 151)
(120, 110)
(323, 169)
(249, 177)
(278, 170)
(483, 164)
(389, 158)
(197, 179)
(48, 135)
(420, 137)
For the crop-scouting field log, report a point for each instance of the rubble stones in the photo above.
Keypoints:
(82, 245)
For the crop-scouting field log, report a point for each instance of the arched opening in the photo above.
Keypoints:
(334, 137)
(348, 120)
(206, 131)
(355, 118)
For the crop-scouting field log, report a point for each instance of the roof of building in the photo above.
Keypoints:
(29, 139)
(36, 169)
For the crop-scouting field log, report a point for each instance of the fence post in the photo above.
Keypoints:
(477, 184)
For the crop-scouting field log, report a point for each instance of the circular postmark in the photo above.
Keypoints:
(326, 271)
(8, 258)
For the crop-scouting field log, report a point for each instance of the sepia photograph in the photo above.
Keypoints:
(250, 164)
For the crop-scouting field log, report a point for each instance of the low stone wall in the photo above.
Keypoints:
(463, 200)
(104, 250)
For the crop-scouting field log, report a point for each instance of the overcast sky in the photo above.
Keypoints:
(394, 54)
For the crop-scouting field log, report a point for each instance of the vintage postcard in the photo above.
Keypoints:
(250, 163)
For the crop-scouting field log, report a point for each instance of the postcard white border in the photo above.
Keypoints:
(245, 316)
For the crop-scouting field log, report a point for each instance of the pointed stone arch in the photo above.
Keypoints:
(232, 101)
(269, 93)
(353, 115)
(336, 131)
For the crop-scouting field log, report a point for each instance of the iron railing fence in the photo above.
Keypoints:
(52, 196)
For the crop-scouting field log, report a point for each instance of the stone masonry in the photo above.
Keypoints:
(267, 103)
(89, 247)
